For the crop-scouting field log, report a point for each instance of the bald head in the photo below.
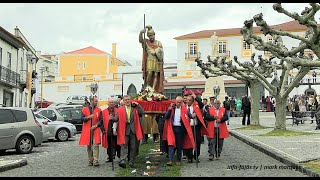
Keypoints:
(217, 103)
(179, 101)
(110, 102)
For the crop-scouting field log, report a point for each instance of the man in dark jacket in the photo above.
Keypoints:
(246, 107)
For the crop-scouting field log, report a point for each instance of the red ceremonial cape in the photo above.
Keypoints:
(168, 133)
(197, 110)
(105, 114)
(122, 125)
(222, 126)
(85, 133)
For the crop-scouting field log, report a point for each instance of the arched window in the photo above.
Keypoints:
(132, 90)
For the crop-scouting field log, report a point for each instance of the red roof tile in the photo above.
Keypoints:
(288, 26)
(87, 50)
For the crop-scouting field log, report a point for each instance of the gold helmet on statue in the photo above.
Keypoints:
(150, 31)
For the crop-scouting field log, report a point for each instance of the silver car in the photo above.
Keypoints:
(69, 113)
(76, 99)
(19, 129)
(59, 130)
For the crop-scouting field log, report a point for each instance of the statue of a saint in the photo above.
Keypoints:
(152, 60)
(214, 46)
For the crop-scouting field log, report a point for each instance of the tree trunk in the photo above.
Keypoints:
(281, 112)
(254, 92)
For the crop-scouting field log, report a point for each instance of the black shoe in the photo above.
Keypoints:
(190, 161)
(123, 165)
(109, 160)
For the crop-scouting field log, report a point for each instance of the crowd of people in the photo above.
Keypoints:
(182, 128)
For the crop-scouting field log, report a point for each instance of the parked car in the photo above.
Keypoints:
(76, 99)
(69, 113)
(44, 103)
(56, 105)
(45, 127)
(19, 130)
(59, 130)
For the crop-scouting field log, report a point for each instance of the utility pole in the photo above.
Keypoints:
(30, 59)
(42, 69)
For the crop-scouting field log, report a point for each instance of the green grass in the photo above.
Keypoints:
(282, 132)
(313, 165)
(253, 127)
(140, 162)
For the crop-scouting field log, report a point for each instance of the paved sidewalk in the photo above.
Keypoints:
(291, 151)
(11, 164)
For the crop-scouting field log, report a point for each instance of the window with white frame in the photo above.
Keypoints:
(78, 65)
(9, 61)
(84, 65)
(222, 45)
(246, 46)
(193, 49)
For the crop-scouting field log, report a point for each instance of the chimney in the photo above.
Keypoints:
(114, 53)
(16, 31)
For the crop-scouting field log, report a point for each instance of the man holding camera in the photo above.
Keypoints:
(129, 130)
(177, 130)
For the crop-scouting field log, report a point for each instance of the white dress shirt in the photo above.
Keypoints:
(192, 121)
(177, 117)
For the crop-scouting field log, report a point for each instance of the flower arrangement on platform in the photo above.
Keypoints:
(149, 94)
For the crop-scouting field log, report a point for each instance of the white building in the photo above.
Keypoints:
(230, 43)
(14, 68)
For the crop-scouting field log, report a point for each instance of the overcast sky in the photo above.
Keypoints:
(55, 28)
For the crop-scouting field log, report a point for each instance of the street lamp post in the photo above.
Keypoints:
(31, 60)
(42, 69)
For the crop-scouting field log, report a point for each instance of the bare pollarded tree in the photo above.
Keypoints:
(282, 59)
(287, 59)
(219, 67)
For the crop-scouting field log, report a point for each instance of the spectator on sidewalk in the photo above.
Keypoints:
(246, 107)
(226, 105)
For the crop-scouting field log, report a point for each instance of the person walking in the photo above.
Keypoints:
(194, 106)
(110, 124)
(177, 130)
(129, 131)
(217, 129)
(92, 119)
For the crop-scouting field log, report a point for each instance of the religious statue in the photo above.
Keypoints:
(152, 60)
(214, 46)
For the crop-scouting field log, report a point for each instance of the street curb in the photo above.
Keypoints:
(287, 161)
(17, 164)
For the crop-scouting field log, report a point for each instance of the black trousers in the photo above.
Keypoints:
(245, 113)
(115, 148)
(190, 153)
(163, 144)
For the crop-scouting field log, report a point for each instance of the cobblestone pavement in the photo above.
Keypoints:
(56, 159)
(238, 160)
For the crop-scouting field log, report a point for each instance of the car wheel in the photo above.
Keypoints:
(62, 135)
(24, 144)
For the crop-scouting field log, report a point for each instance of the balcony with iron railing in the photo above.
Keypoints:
(192, 56)
(9, 77)
(226, 54)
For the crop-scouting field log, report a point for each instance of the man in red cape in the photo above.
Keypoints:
(177, 130)
(217, 128)
(92, 120)
(110, 124)
(197, 124)
(129, 130)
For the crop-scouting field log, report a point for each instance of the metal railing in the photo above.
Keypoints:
(227, 54)
(192, 55)
(9, 77)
